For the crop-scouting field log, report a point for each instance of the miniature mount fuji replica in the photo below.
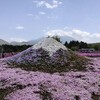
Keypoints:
(47, 55)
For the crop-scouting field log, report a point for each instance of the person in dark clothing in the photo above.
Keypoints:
(3, 55)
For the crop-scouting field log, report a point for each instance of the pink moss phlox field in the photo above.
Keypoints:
(61, 86)
(90, 54)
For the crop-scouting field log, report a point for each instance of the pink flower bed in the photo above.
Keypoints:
(8, 54)
(60, 86)
(90, 54)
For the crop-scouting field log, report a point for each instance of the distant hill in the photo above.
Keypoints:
(96, 46)
(34, 41)
(66, 38)
(3, 42)
(94, 43)
(62, 38)
(30, 42)
(19, 43)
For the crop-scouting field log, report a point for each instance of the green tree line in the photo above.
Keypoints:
(76, 45)
(13, 48)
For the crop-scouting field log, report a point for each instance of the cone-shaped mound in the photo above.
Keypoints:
(48, 55)
(50, 45)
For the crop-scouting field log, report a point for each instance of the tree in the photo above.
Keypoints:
(56, 38)
(97, 47)
(66, 44)
(83, 45)
(73, 44)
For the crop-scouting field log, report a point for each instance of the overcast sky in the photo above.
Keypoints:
(22, 20)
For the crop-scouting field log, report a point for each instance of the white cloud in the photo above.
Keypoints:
(43, 3)
(42, 13)
(17, 39)
(77, 34)
(19, 27)
(31, 15)
(66, 28)
(56, 32)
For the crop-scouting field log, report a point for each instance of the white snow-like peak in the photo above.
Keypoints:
(49, 44)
